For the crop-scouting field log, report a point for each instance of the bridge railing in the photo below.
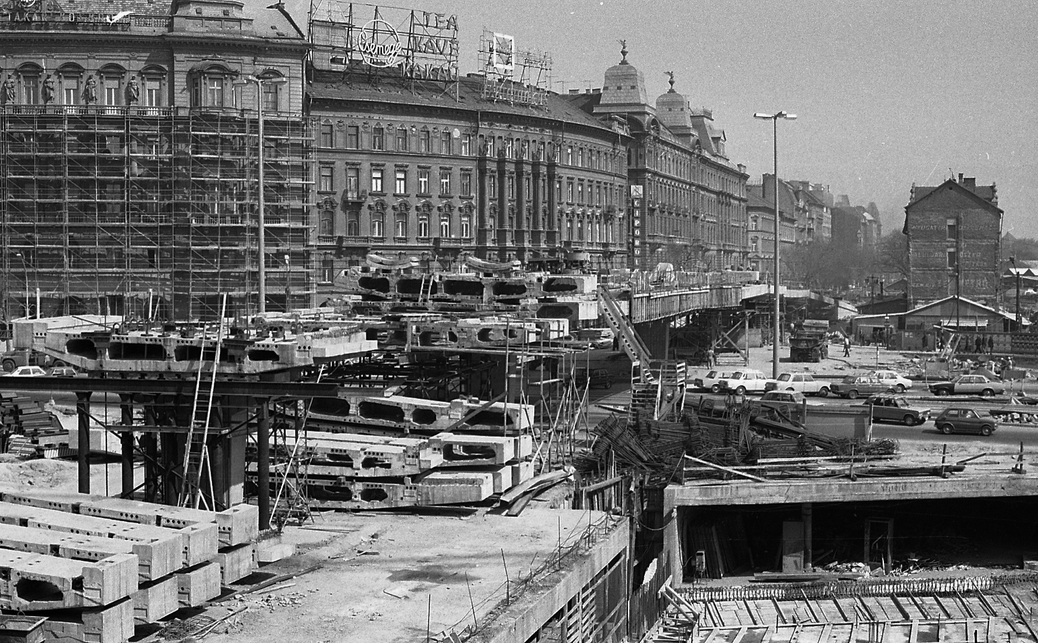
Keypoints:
(642, 282)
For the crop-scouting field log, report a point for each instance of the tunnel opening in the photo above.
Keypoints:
(463, 288)
(462, 452)
(376, 411)
(494, 419)
(559, 284)
(378, 284)
(509, 289)
(373, 462)
(135, 351)
(374, 495)
(33, 590)
(81, 348)
(895, 535)
(557, 311)
(424, 417)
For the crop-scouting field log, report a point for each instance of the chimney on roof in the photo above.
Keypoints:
(960, 178)
(970, 183)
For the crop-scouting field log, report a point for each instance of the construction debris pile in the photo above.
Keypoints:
(90, 568)
(668, 451)
(29, 431)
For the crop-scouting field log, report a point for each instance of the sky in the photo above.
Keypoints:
(887, 93)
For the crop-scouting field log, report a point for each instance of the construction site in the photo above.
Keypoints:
(439, 443)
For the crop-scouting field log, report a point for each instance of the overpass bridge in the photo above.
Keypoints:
(656, 308)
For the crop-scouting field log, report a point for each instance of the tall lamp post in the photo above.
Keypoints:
(774, 118)
(261, 222)
(1016, 271)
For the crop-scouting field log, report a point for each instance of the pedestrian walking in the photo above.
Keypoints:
(978, 344)
(846, 346)
(924, 341)
(991, 345)
(710, 357)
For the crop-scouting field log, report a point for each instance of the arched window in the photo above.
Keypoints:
(112, 78)
(327, 223)
(445, 226)
(31, 75)
(70, 78)
(154, 82)
(210, 85)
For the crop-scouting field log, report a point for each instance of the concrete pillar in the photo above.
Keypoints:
(263, 460)
(126, 443)
(170, 462)
(806, 511)
(149, 442)
(83, 455)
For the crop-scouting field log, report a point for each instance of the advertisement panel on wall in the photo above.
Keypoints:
(416, 45)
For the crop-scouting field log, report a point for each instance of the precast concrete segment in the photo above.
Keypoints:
(64, 545)
(368, 456)
(455, 487)
(236, 562)
(111, 624)
(235, 526)
(197, 585)
(844, 490)
(432, 416)
(36, 582)
(471, 450)
(158, 550)
(156, 600)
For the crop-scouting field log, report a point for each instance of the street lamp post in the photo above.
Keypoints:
(774, 118)
(261, 215)
(1016, 271)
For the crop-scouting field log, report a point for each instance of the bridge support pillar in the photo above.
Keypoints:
(656, 337)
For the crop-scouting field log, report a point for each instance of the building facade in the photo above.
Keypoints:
(400, 173)
(130, 158)
(954, 232)
(688, 200)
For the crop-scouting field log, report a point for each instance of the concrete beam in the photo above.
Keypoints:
(862, 490)
(34, 582)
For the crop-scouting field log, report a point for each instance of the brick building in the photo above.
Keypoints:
(954, 231)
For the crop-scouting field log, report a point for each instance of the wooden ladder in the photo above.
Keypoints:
(198, 478)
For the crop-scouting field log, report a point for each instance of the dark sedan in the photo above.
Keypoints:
(855, 386)
(961, 420)
(895, 408)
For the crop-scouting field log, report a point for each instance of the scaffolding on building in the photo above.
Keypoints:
(150, 212)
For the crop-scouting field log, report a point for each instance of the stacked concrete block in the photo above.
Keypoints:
(199, 584)
(94, 566)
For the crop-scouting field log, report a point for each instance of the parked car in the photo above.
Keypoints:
(599, 377)
(962, 420)
(783, 397)
(969, 385)
(855, 386)
(745, 381)
(597, 337)
(711, 381)
(895, 408)
(62, 371)
(800, 382)
(28, 371)
(896, 380)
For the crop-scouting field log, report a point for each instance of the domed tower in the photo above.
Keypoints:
(672, 109)
(623, 90)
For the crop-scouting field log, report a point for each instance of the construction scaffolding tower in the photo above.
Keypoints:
(150, 211)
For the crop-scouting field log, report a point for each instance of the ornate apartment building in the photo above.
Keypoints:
(688, 200)
(129, 157)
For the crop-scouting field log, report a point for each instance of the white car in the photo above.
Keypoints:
(745, 381)
(711, 381)
(801, 383)
(896, 381)
(28, 371)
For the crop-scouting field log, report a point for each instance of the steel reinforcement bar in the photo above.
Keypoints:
(864, 587)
